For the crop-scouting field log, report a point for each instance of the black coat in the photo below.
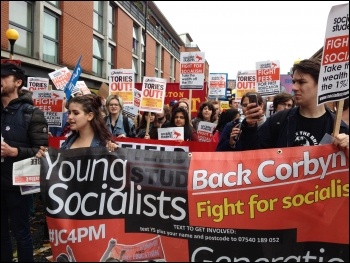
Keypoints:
(23, 127)
(267, 137)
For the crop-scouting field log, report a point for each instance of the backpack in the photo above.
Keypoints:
(126, 125)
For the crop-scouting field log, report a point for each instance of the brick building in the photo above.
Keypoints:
(108, 35)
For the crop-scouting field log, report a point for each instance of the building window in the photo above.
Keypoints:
(157, 55)
(110, 59)
(143, 46)
(98, 16)
(135, 68)
(21, 19)
(143, 69)
(139, 5)
(54, 3)
(162, 62)
(135, 40)
(97, 60)
(50, 34)
(172, 71)
(111, 22)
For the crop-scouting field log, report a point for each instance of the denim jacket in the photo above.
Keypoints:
(71, 139)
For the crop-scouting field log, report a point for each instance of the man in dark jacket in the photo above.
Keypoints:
(305, 124)
(24, 129)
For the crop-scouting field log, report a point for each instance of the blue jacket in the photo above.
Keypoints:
(266, 136)
(119, 126)
(224, 142)
(71, 139)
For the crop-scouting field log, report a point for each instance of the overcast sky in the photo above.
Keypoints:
(234, 35)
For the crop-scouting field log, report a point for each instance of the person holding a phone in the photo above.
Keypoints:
(227, 130)
(254, 97)
(305, 124)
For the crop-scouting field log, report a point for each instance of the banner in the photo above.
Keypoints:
(333, 81)
(132, 110)
(192, 66)
(121, 82)
(245, 83)
(171, 133)
(152, 94)
(268, 77)
(69, 88)
(217, 85)
(205, 131)
(60, 77)
(153, 145)
(35, 83)
(51, 102)
(289, 204)
(173, 92)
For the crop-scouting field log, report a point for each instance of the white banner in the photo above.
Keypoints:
(333, 82)
(171, 133)
(192, 66)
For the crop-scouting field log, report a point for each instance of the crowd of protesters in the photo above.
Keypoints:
(244, 126)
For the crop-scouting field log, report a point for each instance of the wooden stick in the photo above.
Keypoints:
(338, 117)
(190, 105)
(148, 122)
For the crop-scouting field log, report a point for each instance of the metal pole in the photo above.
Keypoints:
(12, 44)
(145, 40)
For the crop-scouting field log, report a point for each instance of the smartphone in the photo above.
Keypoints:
(254, 98)
(235, 122)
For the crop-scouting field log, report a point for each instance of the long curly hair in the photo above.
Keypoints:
(92, 103)
(211, 107)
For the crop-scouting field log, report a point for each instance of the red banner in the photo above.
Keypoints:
(253, 206)
(159, 145)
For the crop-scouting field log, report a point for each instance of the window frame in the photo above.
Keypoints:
(96, 57)
(99, 14)
(56, 41)
(28, 31)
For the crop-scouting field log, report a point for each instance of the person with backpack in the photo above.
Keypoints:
(24, 129)
(119, 125)
(305, 124)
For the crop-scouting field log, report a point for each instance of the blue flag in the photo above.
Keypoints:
(73, 80)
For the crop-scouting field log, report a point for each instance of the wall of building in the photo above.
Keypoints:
(124, 25)
(76, 34)
(76, 38)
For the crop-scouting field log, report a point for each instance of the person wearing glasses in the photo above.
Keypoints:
(119, 125)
